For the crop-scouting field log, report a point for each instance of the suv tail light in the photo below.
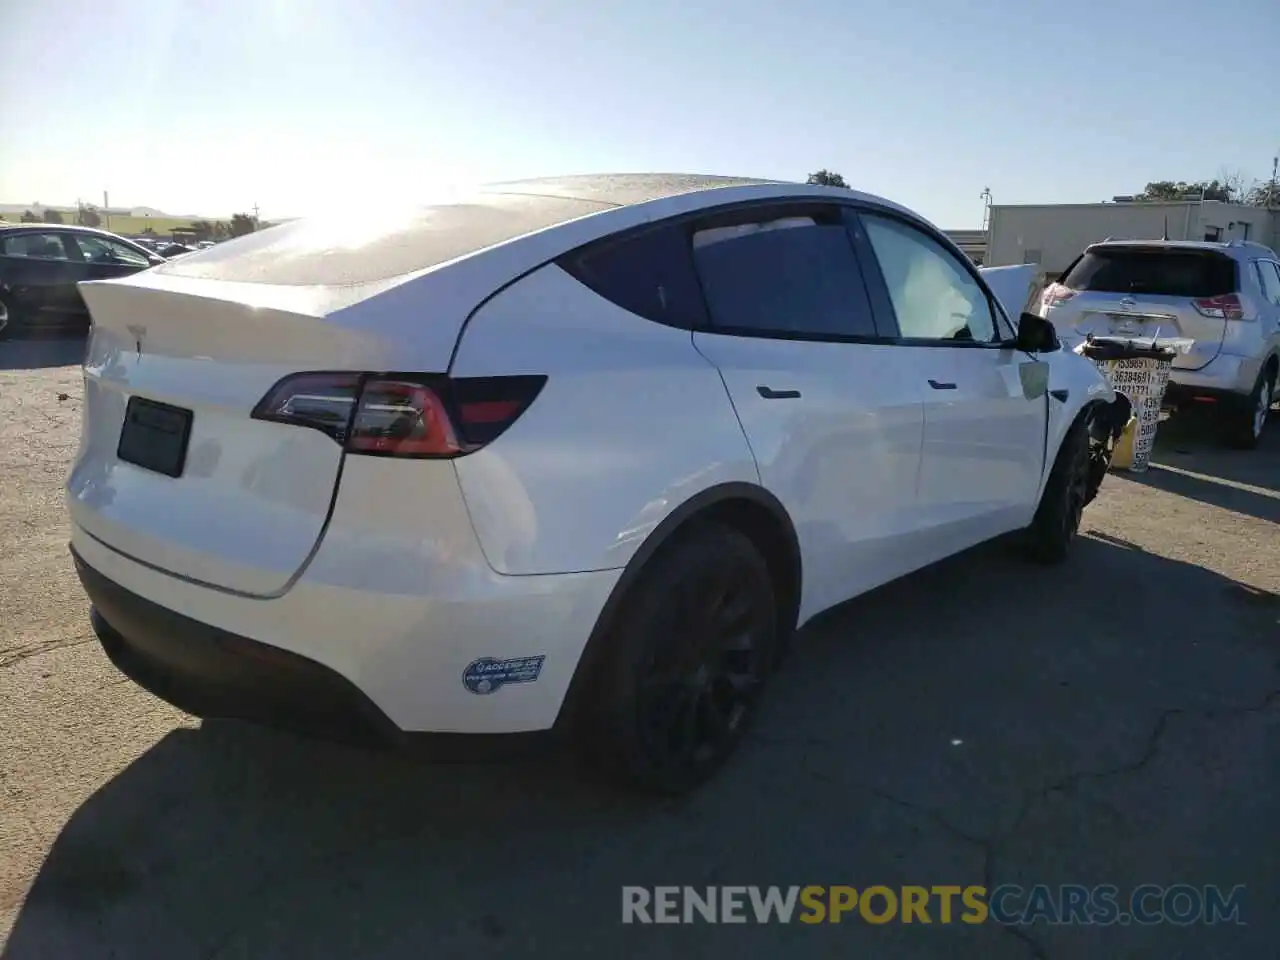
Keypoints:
(411, 415)
(1225, 307)
(1054, 294)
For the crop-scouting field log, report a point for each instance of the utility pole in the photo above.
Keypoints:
(255, 213)
(106, 210)
(1271, 190)
(986, 208)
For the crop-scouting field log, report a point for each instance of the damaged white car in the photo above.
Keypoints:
(575, 455)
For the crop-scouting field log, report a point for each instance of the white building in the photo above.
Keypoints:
(1053, 235)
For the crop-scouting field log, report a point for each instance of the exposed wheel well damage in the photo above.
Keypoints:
(1108, 418)
(1105, 422)
(748, 508)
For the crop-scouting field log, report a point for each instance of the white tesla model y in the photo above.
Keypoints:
(574, 454)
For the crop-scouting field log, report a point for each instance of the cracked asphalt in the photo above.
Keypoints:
(1112, 721)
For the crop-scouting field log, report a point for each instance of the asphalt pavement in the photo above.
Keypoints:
(983, 722)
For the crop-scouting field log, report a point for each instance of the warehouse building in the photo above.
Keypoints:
(1053, 235)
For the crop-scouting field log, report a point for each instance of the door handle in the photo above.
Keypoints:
(939, 385)
(771, 394)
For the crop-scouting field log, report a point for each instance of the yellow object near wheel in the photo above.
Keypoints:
(1122, 455)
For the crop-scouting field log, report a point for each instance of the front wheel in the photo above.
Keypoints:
(1066, 492)
(686, 660)
(5, 319)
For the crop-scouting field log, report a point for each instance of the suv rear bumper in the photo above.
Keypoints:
(215, 673)
(210, 672)
(1225, 375)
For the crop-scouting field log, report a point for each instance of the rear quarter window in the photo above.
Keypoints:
(649, 273)
(1155, 271)
(341, 252)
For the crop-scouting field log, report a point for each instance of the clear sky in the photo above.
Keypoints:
(208, 106)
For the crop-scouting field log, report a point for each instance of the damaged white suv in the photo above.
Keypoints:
(575, 454)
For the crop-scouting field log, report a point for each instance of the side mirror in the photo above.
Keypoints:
(1035, 335)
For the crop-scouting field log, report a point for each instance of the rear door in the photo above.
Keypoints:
(985, 404)
(41, 274)
(1269, 280)
(832, 419)
(1136, 290)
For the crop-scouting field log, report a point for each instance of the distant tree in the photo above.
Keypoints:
(148, 232)
(203, 229)
(29, 217)
(241, 224)
(221, 230)
(827, 178)
(1182, 190)
(87, 216)
(52, 216)
(1263, 195)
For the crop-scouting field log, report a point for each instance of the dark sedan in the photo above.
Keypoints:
(41, 263)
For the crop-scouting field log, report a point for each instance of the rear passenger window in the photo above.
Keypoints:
(1269, 274)
(648, 273)
(37, 246)
(792, 275)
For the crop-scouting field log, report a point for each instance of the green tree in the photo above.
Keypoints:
(1183, 190)
(52, 216)
(87, 216)
(242, 223)
(29, 217)
(827, 178)
(203, 229)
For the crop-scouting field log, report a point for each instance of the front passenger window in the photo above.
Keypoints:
(933, 295)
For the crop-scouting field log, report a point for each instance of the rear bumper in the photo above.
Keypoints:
(1225, 375)
(214, 673)
(210, 672)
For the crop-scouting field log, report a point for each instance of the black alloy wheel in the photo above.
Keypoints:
(685, 663)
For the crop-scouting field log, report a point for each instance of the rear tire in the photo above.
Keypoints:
(685, 663)
(1057, 521)
(6, 320)
(1247, 420)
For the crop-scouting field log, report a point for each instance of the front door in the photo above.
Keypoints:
(985, 404)
(831, 415)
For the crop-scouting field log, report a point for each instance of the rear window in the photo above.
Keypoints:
(1156, 271)
(350, 251)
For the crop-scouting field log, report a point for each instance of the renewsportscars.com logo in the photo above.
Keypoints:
(1008, 905)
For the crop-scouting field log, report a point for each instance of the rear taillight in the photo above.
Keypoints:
(1225, 307)
(1056, 293)
(407, 415)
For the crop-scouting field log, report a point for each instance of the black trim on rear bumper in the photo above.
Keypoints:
(212, 673)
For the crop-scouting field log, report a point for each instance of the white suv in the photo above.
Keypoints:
(1224, 296)
(574, 454)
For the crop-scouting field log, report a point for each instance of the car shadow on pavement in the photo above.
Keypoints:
(1191, 460)
(32, 353)
(912, 737)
